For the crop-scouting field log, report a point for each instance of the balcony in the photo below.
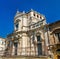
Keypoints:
(36, 25)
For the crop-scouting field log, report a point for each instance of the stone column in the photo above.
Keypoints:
(46, 43)
(24, 43)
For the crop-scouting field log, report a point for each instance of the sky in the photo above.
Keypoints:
(49, 8)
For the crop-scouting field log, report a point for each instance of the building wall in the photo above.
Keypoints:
(54, 28)
(27, 27)
(2, 46)
(54, 43)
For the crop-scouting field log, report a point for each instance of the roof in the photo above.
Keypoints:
(22, 13)
(54, 22)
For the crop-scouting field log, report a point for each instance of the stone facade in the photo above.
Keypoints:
(29, 36)
(32, 36)
(54, 39)
(2, 46)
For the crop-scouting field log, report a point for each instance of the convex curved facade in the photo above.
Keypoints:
(30, 35)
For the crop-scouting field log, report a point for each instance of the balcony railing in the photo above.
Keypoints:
(36, 25)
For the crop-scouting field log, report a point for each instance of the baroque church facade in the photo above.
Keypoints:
(32, 35)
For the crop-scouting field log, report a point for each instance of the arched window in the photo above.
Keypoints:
(57, 33)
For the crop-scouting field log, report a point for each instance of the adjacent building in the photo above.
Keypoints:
(54, 39)
(2, 46)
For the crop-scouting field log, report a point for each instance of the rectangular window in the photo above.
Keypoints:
(39, 46)
(38, 38)
(58, 36)
(17, 25)
(16, 46)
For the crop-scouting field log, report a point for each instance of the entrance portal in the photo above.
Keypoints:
(39, 45)
(16, 45)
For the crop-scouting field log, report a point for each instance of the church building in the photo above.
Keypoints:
(32, 36)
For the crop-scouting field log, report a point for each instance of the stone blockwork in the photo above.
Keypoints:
(29, 37)
(54, 39)
(32, 36)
